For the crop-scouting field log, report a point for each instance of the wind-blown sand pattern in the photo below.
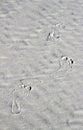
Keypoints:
(35, 35)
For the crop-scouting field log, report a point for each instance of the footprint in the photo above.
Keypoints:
(16, 109)
(28, 87)
(65, 66)
(55, 33)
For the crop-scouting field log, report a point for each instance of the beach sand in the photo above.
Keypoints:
(38, 89)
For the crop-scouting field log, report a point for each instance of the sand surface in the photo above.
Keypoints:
(38, 89)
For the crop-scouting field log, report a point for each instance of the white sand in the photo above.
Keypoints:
(55, 101)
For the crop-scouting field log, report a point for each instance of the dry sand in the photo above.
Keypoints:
(50, 95)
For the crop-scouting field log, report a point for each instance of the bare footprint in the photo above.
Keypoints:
(65, 66)
(54, 33)
(16, 109)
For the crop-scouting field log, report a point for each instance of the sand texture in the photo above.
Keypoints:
(41, 65)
